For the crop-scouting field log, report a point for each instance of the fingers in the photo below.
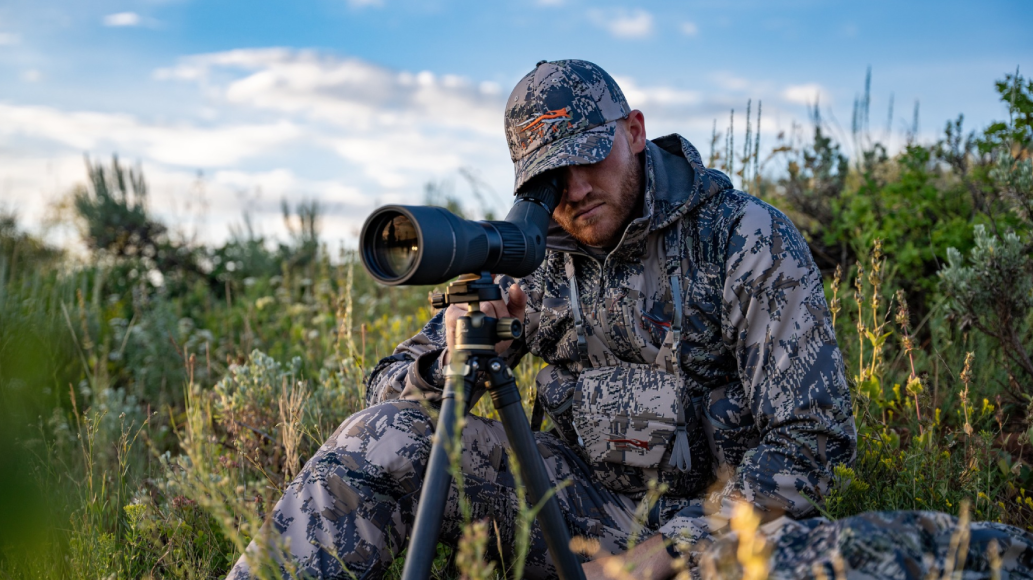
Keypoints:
(497, 309)
(517, 302)
(451, 316)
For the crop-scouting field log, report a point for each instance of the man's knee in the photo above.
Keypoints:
(354, 497)
(392, 438)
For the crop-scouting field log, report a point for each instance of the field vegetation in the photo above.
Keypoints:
(157, 397)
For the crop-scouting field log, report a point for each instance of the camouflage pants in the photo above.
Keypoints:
(354, 502)
(896, 545)
(349, 512)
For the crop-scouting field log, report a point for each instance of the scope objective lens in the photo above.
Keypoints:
(397, 245)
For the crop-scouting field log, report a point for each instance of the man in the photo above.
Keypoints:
(666, 295)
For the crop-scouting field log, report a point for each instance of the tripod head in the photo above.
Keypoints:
(475, 331)
(466, 289)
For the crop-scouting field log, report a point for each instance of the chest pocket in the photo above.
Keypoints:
(629, 414)
(655, 319)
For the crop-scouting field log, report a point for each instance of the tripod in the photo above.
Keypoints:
(476, 335)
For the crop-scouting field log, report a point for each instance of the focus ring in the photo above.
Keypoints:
(513, 246)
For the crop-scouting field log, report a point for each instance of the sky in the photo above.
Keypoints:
(231, 106)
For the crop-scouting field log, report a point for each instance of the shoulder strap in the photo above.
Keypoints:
(672, 249)
(537, 412)
(575, 310)
(672, 243)
(681, 455)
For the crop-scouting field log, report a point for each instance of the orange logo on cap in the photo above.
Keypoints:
(541, 122)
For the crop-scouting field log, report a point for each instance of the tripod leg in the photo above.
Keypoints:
(506, 397)
(423, 540)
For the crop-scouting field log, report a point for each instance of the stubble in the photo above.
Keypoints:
(623, 206)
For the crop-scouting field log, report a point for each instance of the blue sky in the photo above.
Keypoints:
(361, 102)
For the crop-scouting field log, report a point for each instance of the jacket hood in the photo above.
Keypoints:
(676, 183)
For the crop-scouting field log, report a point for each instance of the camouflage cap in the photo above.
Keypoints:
(562, 113)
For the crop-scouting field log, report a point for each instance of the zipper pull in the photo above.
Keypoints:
(580, 441)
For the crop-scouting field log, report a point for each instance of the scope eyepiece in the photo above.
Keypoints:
(413, 245)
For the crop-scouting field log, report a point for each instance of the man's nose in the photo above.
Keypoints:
(577, 185)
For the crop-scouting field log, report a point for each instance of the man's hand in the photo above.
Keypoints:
(646, 561)
(494, 309)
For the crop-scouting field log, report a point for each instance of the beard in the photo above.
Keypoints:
(606, 229)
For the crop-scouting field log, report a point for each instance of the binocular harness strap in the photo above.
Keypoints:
(575, 310)
(681, 456)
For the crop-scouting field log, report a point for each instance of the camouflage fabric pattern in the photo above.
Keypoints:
(758, 349)
(349, 511)
(902, 545)
(760, 364)
(562, 113)
(634, 426)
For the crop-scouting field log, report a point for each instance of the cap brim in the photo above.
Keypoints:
(588, 146)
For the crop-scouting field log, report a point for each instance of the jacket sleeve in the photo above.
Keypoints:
(776, 322)
(414, 369)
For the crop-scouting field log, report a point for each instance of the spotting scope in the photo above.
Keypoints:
(414, 244)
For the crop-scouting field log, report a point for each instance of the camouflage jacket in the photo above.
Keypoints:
(758, 348)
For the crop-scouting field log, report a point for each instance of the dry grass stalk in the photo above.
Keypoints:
(835, 304)
(859, 300)
(966, 378)
(993, 554)
(472, 551)
(292, 408)
(585, 546)
(914, 384)
(752, 552)
(957, 552)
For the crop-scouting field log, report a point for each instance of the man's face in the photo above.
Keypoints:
(599, 199)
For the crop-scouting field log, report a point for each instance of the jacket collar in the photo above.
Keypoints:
(676, 183)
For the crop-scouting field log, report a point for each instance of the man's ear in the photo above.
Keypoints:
(635, 129)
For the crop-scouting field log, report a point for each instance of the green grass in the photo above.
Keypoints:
(146, 430)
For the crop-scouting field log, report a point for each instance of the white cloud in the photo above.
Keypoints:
(656, 96)
(490, 88)
(365, 3)
(206, 207)
(622, 23)
(387, 161)
(347, 92)
(730, 82)
(182, 145)
(29, 183)
(370, 134)
(374, 134)
(398, 128)
(549, 2)
(9, 39)
(31, 76)
(806, 94)
(123, 19)
(689, 28)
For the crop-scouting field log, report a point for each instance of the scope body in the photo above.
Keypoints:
(413, 245)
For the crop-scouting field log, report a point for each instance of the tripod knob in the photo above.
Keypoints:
(437, 300)
(509, 328)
